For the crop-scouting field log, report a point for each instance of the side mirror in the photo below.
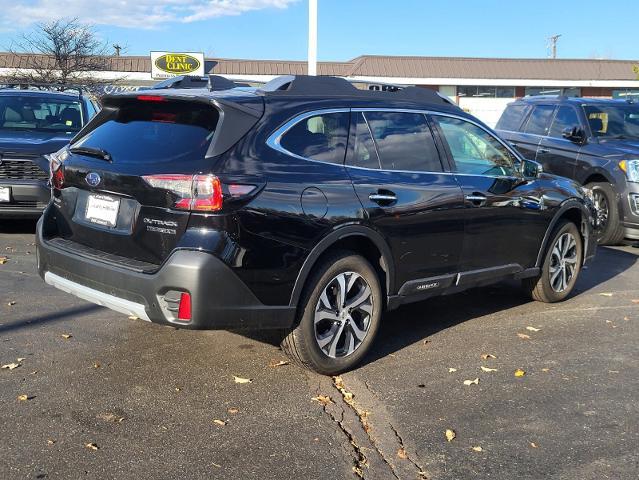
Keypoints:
(531, 169)
(574, 134)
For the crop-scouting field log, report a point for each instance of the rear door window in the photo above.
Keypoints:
(147, 131)
(404, 141)
(512, 117)
(364, 152)
(320, 137)
(539, 120)
(566, 118)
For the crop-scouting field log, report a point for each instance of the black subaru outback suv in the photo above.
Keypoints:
(34, 123)
(307, 205)
(595, 142)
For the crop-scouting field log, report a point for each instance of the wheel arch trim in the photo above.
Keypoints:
(331, 239)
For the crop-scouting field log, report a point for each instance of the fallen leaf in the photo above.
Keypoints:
(477, 449)
(19, 359)
(486, 356)
(523, 336)
(401, 453)
(242, 380)
(635, 300)
(133, 317)
(23, 398)
(11, 303)
(452, 370)
(96, 365)
(178, 389)
(533, 329)
(426, 342)
(486, 369)
(219, 422)
(626, 319)
(323, 399)
(533, 445)
(3, 260)
(519, 373)
(11, 366)
(91, 446)
(450, 434)
(110, 417)
(471, 382)
(216, 465)
(50, 442)
(281, 363)
(606, 294)
(233, 410)
(545, 369)
(66, 336)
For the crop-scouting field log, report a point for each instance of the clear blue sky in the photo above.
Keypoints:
(348, 28)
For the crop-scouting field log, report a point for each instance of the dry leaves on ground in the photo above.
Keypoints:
(242, 380)
(323, 399)
(533, 329)
(452, 370)
(533, 445)
(11, 303)
(486, 369)
(11, 366)
(24, 397)
(471, 382)
(276, 363)
(91, 446)
(66, 336)
(3, 260)
(219, 422)
(486, 356)
(450, 434)
(477, 449)
(401, 453)
(519, 373)
(233, 410)
(19, 359)
(523, 336)
(636, 300)
(606, 294)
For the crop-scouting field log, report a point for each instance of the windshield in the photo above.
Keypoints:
(40, 113)
(614, 121)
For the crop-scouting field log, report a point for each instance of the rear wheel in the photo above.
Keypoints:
(610, 230)
(338, 317)
(561, 267)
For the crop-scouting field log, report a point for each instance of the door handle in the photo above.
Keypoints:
(383, 198)
(477, 199)
(543, 150)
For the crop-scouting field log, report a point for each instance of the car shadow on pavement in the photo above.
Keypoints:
(65, 314)
(608, 263)
(10, 225)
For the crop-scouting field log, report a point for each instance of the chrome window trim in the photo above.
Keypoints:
(275, 138)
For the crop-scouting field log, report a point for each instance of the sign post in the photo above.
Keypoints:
(170, 64)
(312, 37)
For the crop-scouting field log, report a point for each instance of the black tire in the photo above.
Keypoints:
(612, 232)
(541, 288)
(301, 343)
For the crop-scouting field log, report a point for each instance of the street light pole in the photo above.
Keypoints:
(312, 37)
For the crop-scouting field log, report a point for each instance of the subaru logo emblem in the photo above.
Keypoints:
(93, 179)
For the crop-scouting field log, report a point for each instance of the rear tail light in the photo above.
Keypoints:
(151, 98)
(184, 310)
(195, 192)
(56, 173)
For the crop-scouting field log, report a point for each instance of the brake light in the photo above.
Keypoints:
(56, 173)
(184, 310)
(151, 98)
(195, 192)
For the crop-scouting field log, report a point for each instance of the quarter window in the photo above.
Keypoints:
(320, 137)
(566, 118)
(404, 141)
(512, 117)
(474, 150)
(539, 120)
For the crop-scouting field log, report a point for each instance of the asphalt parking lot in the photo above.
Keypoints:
(111, 397)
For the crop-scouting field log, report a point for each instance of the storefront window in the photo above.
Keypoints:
(626, 94)
(567, 92)
(486, 92)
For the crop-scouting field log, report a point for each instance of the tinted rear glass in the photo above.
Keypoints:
(40, 113)
(143, 132)
(539, 120)
(321, 138)
(512, 117)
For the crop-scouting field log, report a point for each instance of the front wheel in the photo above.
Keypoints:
(339, 315)
(609, 230)
(561, 267)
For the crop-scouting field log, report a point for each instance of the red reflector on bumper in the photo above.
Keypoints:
(184, 310)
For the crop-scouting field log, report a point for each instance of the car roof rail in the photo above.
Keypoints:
(212, 82)
(38, 86)
(332, 86)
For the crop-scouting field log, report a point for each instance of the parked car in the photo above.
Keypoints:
(595, 142)
(34, 123)
(307, 205)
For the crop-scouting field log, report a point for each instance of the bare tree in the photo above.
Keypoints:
(635, 69)
(64, 52)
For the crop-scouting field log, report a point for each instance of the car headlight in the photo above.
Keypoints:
(631, 169)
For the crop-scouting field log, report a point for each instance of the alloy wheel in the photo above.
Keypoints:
(343, 315)
(563, 262)
(602, 209)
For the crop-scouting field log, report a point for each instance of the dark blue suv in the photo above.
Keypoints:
(34, 122)
(307, 205)
(593, 141)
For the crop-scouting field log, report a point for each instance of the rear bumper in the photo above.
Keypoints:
(219, 299)
(28, 198)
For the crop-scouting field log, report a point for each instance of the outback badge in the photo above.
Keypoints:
(93, 179)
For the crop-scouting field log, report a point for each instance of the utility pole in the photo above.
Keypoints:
(552, 45)
(312, 37)
(117, 49)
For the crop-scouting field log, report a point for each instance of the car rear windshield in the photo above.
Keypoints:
(153, 131)
(40, 113)
(614, 121)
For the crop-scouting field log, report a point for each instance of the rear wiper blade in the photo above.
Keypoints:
(92, 152)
